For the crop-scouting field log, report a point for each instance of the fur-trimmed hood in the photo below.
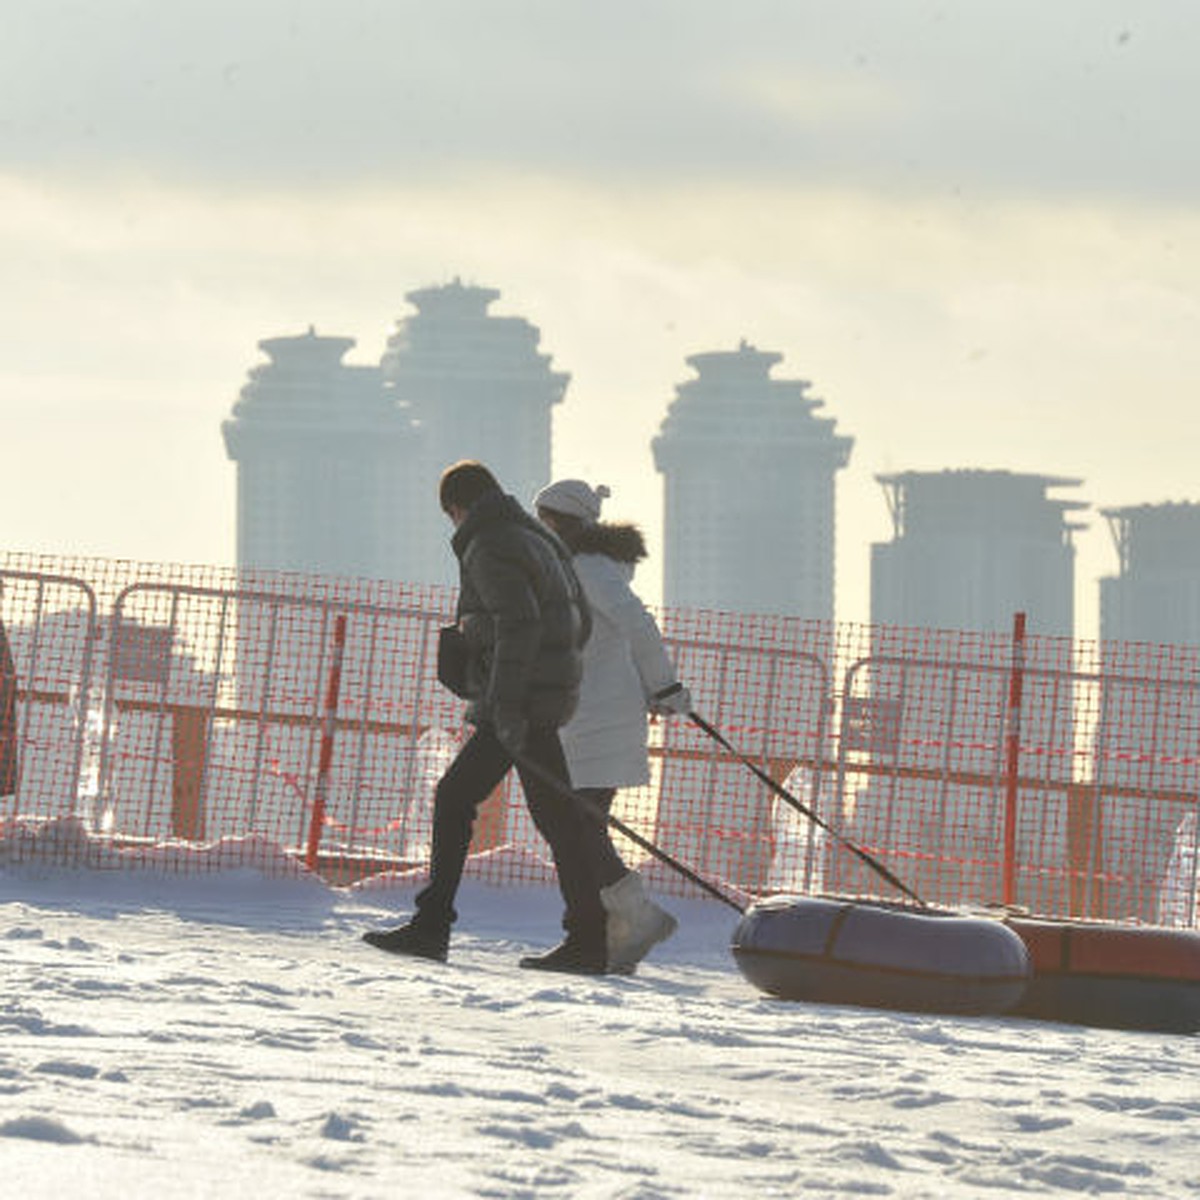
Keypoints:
(620, 541)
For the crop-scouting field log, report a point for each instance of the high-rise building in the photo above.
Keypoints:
(748, 515)
(325, 464)
(477, 387)
(1146, 778)
(1155, 597)
(973, 547)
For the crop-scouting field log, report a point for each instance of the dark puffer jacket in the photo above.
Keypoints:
(524, 615)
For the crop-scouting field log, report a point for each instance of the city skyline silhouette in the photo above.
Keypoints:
(973, 230)
(751, 467)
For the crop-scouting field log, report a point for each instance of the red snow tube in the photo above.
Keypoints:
(834, 950)
(1118, 976)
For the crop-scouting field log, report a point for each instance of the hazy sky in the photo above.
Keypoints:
(972, 225)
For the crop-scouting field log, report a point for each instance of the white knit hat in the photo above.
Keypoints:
(574, 498)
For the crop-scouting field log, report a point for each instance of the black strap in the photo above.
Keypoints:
(589, 806)
(801, 807)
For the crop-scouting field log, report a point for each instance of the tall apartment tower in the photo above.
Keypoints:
(1155, 597)
(973, 547)
(1146, 769)
(749, 472)
(324, 464)
(477, 387)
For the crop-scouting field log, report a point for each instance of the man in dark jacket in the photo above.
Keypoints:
(524, 617)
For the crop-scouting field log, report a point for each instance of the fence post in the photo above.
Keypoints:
(190, 730)
(328, 728)
(1012, 759)
(1083, 832)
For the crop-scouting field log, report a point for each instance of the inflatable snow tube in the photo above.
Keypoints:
(839, 951)
(1116, 976)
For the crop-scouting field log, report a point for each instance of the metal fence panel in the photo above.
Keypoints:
(161, 706)
(50, 625)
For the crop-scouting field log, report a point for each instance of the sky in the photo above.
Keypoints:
(972, 226)
(173, 1035)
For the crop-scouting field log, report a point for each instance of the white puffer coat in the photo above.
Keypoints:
(624, 663)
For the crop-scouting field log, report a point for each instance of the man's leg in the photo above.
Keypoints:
(576, 843)
(609, 865)
(476, 770)
(473, 775)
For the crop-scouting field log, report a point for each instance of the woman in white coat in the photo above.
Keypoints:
(627, 674)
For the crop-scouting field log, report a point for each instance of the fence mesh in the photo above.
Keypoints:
(183, 716)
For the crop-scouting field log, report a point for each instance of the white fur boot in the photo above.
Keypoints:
(635, 923)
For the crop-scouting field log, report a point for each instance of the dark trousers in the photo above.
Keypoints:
(574, 840)
(608, 864)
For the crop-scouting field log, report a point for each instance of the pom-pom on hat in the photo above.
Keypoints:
(573, 498)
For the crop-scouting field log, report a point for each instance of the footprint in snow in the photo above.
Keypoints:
(41, 1129)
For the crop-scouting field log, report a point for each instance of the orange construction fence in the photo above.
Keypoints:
(152, 706)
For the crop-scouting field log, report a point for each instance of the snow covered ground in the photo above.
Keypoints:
(230, 1036)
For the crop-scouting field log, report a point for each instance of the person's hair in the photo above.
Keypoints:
(565, 525)
(463, 482)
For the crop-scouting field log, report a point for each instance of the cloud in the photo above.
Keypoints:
(1079, 95)
(936, 212)
(818, 99)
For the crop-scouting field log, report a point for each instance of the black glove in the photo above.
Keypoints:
(511, 730)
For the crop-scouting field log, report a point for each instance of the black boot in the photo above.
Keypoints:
(419, 941)
(571, 956)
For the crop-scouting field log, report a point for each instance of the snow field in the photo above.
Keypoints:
(231, 1035)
